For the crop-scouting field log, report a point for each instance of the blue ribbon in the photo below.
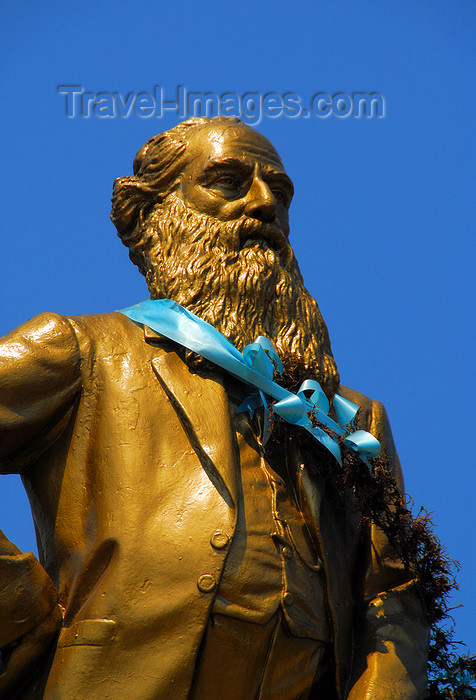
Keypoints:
(256, 366)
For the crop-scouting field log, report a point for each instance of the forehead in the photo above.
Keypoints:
(223, 141)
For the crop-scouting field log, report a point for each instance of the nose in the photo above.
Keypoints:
(260, 202)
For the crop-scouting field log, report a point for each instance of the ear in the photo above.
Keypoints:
(132, 200)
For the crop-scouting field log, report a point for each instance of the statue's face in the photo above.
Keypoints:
(232, 172)
(217, 243)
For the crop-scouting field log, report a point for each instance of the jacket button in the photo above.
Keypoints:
(20, 615)
(287, 553)
(288, 598)
(219, 540)
(206, 583)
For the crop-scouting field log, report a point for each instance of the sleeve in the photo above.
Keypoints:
(394, 644)
(27, 593)
(30, 616)
(39, 381)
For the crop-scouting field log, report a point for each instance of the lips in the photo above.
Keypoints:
(264, 235)
(259, 241)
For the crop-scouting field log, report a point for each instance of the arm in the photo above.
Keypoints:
(29, 615)
(395, 640)
(39, 381)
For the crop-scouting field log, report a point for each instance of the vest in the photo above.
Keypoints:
(272, 560)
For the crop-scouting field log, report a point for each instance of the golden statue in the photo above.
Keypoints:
(179, 555)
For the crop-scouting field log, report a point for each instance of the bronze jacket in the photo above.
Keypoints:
(129, 461)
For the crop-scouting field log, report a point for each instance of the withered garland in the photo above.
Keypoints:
(423, 555)
(376, 497)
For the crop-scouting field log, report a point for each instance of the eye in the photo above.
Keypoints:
(280, 196)
(228, 181)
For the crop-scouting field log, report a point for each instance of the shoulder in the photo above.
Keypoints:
(47, 337)
(373, 417)
(47, 326)
(50, 326)
(364, 403)
(63, 338)
(97, 327)
(372, 412)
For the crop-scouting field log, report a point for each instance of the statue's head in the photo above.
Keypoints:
(219, 167)
(205, 218)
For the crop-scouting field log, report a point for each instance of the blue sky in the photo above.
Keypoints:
(380, 220)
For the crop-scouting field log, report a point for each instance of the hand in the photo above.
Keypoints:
(385, 677)
(26, 653)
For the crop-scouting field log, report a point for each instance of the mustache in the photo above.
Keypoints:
(252, 231)
(234, 236)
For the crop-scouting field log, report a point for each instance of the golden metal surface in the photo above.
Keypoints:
(129, 452)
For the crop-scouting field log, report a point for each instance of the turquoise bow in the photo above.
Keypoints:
(306, 408)
(256, 368)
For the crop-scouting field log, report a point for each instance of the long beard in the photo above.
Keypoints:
(229, 275)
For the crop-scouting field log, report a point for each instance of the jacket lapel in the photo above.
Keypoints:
(201, 404)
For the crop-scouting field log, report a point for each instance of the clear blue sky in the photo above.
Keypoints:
(380, 221)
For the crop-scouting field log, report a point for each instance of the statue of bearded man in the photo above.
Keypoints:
(183, 553)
